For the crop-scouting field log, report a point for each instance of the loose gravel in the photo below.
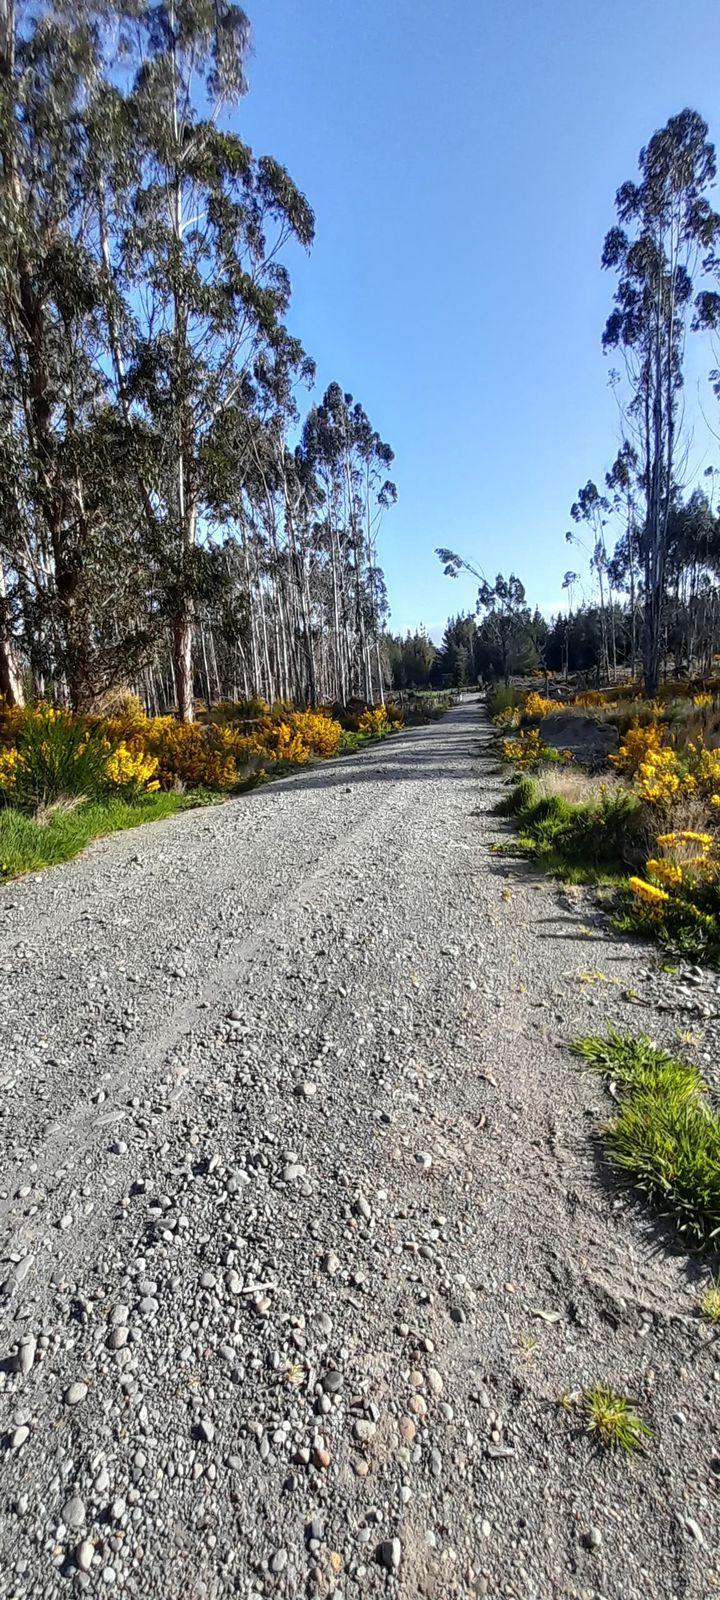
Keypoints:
(303, 1222)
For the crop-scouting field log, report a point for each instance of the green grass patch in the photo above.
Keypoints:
(665, 1140)
(583, 841)
(27, 844)
(710, 1301)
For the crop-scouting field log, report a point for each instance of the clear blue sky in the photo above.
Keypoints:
(462, 160)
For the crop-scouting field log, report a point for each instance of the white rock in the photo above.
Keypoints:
(84, 1554)
(75, 1394)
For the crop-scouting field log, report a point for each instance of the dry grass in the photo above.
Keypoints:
(574, 785)
(63, 806)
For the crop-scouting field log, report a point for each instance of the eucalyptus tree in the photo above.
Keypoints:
(63, 520)
(569, 581)
(348, 459)
(196, 264)
(664, 221)
(507, 622)
(623, 568)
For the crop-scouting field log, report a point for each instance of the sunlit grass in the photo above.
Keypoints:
(27, 844)
(665, 1139)
(710, 1300)
(610, 1418)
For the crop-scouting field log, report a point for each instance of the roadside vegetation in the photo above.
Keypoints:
(665, 1139)
(65, 780)
(643, 815)
(612, 1420)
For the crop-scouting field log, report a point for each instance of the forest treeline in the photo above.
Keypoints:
(170, 520)
(648, 536)
(599, 638)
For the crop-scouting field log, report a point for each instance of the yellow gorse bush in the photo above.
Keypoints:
(652, 898)
(638, 744)
(525, 751)
(127, 768)
(10, 761)
(374, 720)
(536, 705)
(320, 732)
(147, 753)
(660, 779)
(705, 766)
(667, 873)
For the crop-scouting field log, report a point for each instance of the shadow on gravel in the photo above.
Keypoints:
(437, 751)
(657, 1234)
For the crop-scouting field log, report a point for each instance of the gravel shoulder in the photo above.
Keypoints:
(304, 1228)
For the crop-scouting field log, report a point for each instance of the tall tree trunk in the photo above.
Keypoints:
(11, 690)
(182, 663)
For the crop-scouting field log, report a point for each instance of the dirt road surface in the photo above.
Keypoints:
(303, 1223)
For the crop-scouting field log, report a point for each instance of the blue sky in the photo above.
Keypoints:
(462, 161)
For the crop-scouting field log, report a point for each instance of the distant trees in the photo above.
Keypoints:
(411, 660)
(507, 639)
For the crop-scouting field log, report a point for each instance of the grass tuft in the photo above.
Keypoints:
(610, 1418)
(665, 1140)
(710, 1300)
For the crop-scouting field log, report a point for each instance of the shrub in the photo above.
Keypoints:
(501, 698)
(638, 744)
(527, 751)
(677, 900)
(588, 838)
(190, 755)
(56, 756)
(319, 732)
(536, 706)
(374, 721)
(131, 771)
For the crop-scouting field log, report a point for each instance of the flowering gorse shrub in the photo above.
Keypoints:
(662, 774)
(536, 706)
(374, 721)
(527, 751)
(508, 717)
(53, 755)
(638, 745)
(47, 754)
(678, 899)
(128, 769)
(650, 897)
(660, 778)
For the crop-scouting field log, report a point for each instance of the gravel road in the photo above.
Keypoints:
(303, 1227)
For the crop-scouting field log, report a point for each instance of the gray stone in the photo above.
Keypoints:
(73, 1512)
(84, 1554)
(75, 1394)
(390, 1554)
